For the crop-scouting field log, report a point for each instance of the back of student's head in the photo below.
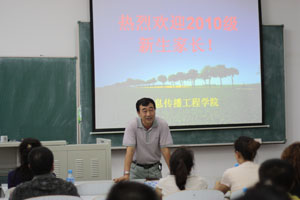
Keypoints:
(291, 154)
(247, 147)
(25, 147)
(41, 160)
(128, 190)
(264, 192)
(278, 173)
(181, 164)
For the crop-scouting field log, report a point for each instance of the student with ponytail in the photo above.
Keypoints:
(245, 174)
(181, 164)
(23, 173)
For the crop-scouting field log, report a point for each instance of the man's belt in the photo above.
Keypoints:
(146, 166)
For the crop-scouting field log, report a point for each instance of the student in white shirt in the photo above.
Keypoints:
(181, 163)
(246, 173)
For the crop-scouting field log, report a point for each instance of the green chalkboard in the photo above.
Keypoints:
(38, 98)
(273, 97)
(86, 87)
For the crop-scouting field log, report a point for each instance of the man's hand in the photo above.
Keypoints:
(128, 159)
(122, 178)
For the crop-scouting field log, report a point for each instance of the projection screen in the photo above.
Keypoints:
(199, 60)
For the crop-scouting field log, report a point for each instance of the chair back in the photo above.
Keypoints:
(99, 197)
(196, 195)
(88, 188)
(237, 194)
(56, 197)
(8, 192)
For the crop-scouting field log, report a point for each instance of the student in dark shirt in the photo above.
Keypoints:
(44, 182)
(23, 173)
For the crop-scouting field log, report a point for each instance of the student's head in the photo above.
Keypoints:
(128, 190)
(181, 164)
(291, 154)
(41, 160)
(25, 147)
(278, 173)
(146, 110)
(264, 192)
(246, 147)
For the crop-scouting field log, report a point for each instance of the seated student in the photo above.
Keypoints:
(44, 182)
(246, 173)
(23, 173)
(127, 190)
(264, 192)
(291, 154)
(278, 173)
(181, 163)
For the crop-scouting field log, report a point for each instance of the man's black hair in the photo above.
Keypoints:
(144, 102)
(41, 160)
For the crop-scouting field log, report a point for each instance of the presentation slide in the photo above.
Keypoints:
(199, 60)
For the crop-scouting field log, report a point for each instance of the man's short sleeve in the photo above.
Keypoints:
(129, 138)
(165, 136)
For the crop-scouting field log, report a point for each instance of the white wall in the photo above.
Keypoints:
(49, 28)
(41, 27)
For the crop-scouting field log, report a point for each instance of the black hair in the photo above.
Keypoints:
(25, 147)
(144, 102)
(247, 147)
(263, 192)
(278, 173)
(41, 160)
(127, 190)
(181, 163)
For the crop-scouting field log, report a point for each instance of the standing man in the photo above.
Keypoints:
(146, 138)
